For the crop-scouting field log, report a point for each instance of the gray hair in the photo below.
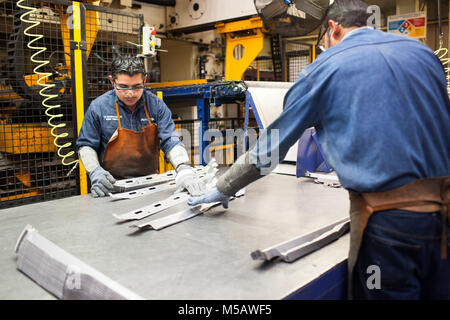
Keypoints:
(129, 65)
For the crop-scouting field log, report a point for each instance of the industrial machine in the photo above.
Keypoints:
(55, 61)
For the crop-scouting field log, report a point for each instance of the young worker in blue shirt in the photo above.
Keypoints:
(123, 130)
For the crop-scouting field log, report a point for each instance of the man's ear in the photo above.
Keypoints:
(145, 78)
(111, 79)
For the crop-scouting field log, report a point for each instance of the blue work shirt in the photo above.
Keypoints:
(380, 106)
(100, 121)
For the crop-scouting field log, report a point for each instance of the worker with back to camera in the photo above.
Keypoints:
(380, 106)
(123, 130)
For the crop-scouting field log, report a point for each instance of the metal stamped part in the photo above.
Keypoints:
(154, 207)
(298, 247)
(144, 191)
(62, 274)
(125, 185)
(175, 218)
(145, 181)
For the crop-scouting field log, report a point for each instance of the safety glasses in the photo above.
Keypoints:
(121, 88)
(322, 32)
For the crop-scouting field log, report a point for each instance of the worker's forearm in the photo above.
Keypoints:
(241, 173)
(89, 158)
(178, 157)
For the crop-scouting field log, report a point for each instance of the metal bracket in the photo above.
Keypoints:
(125, 185)
(154, 207)
(298, 247)
(61, 274)
(175, 218)
(207, 174)
(160, 182)
(144, 191)
(145, 181)
(75, 45)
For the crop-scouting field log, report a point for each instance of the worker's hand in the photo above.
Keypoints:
(187, 179)
(214, 195)
(102, 182)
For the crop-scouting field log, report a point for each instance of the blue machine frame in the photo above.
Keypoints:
(206, 95)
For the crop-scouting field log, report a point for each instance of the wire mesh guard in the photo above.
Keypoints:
(297, 58)
(283, 66)
(35, 54)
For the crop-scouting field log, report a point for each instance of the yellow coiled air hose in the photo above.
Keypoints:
(442, 53)
(49, 109)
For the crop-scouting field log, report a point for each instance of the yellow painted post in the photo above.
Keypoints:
(79, 89)
(257, 71)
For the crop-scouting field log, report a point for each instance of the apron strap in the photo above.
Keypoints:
(118, 114)
(146, 113)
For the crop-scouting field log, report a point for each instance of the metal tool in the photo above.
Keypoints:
(149, 210)
(298, 247)
(144, 191)
(172, 219)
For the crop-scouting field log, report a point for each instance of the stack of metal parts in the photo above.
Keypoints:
(63, 275)
(207, 175)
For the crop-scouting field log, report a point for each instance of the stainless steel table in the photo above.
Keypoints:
(206, 257)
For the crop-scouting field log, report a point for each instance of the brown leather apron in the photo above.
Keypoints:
(133, 153)
(423, 195)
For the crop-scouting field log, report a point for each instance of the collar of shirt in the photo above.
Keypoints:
(354, 31)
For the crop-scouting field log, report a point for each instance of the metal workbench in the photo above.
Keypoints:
(206, 257)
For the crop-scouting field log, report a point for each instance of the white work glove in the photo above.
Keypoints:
(214, 195)
(187, 179)
(101, 181)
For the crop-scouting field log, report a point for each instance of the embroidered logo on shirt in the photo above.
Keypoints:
(111, 118)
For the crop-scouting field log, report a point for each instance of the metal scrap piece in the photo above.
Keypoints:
(61, 274)
(298, 247)
(175, 218)
(144, 191)
(149, 210)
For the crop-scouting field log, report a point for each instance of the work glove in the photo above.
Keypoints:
(187, 179)
(214, 195)
(101, 181)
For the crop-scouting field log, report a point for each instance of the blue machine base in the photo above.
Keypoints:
(332, 285)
